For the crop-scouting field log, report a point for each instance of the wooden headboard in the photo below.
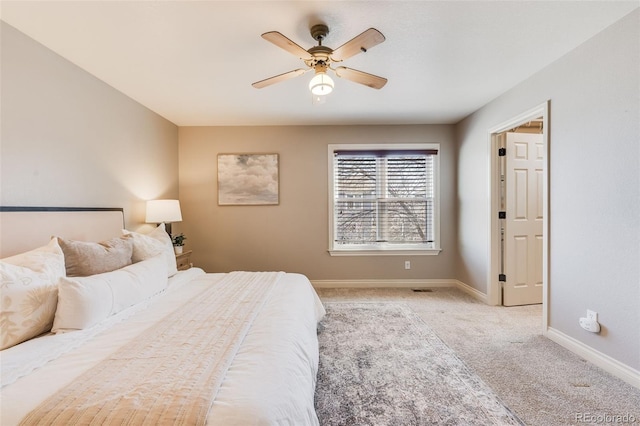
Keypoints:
(25, 228)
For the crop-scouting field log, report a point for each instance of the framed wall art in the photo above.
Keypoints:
(248, 179)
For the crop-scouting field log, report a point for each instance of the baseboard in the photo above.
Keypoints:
(421, 283)
(475, 293)
(374, 283)
(610, 365)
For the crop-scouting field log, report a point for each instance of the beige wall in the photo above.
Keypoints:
(594, 156)
(69, 139)
(293, 236)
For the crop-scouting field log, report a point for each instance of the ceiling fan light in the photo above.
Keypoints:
(321, 84)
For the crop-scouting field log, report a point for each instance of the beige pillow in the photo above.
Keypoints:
(28, 304)
(83, 258)
(29, 293)
(145, 245)
(48, 260)
(86, 301)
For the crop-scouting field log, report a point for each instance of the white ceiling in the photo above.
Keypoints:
(193, 62)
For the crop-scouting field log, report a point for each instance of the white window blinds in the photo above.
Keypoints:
(384, 199)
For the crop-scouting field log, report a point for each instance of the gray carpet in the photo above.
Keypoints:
(540, 381)
(380, 364)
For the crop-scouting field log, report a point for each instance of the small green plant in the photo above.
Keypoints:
(178, 240)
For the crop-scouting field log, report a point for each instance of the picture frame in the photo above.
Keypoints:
(248, 179)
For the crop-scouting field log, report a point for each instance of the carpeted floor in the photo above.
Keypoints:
(380, 364)
(541, 382)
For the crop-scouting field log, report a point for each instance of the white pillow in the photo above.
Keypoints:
(29, 293)
(85, 301)
(144, 246)
(148, 245)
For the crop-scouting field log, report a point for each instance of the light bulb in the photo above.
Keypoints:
(321, 84)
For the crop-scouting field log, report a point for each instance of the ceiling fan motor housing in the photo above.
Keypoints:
(320, 55)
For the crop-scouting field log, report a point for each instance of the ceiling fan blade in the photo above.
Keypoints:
(361, 77)
(278, 78)
(284, 43)
(358, 44)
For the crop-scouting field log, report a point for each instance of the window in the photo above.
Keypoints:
(383, 199)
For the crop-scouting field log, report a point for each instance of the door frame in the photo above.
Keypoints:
(494, 287)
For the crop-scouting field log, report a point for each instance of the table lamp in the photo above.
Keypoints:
(164, 211)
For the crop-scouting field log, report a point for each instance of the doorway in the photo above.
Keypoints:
(504, 247)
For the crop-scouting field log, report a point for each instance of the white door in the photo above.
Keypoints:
(523, 224)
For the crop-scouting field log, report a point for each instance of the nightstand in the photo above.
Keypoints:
(183, 260)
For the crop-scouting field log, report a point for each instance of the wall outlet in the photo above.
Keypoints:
(407, 264)
(590, 323)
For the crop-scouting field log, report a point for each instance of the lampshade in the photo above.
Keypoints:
(163, 211)
(321, 84)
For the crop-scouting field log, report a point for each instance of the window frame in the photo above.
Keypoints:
(384, 249)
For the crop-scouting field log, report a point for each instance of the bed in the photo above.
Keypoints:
(145, 343)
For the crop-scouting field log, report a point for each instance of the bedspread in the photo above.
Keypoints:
(161, 370)
(271, 379)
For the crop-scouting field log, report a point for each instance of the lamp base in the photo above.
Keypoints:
(167, 227)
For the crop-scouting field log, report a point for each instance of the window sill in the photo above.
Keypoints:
(385, 252)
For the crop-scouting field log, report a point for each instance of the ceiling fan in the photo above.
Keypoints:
(320, 59)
